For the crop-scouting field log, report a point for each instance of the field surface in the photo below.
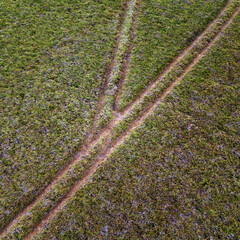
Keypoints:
(120, 119)
(53, 60)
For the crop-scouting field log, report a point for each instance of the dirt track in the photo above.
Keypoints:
(111, 146)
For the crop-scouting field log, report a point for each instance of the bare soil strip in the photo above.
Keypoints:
(106, 114)
(127, 59)
(105, 132)
(112, 147)
(91, 139)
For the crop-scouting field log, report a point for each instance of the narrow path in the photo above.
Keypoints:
(110, 149)
(106, 78)
(175, 61)
(106, 115)
(127, 59)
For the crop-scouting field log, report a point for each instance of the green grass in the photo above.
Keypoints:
(53, 57)
(106, 113)
(175, 71)
(177, 174)
(39, 210)
(164, 29)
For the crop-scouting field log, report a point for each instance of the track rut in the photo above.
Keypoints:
(111, 146)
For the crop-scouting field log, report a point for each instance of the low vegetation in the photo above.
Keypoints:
(164, 30)
(175, 72)
(53, 58)
(106, 113)
(63, 63)
(176, 176)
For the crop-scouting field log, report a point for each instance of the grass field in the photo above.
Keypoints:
(145, 93)
(176, 176)
(53, 60)
(164, 30)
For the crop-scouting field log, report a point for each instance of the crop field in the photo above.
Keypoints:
(120, 119)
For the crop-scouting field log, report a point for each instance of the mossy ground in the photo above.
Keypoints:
(164, 30)
(177, 175)
(53, 57)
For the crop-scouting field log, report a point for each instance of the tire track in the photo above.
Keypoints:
(110, 149)
(128, 56)
(90, 140)
(174, 70)
(172, 64)
(106, 114)
(107, 77)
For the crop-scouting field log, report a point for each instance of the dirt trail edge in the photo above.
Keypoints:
(106, 115)
(107, 77)
(174, 62)
(109, 150)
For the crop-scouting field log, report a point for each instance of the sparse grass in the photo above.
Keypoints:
(177, 175)
(53, 57)
(164, 29)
